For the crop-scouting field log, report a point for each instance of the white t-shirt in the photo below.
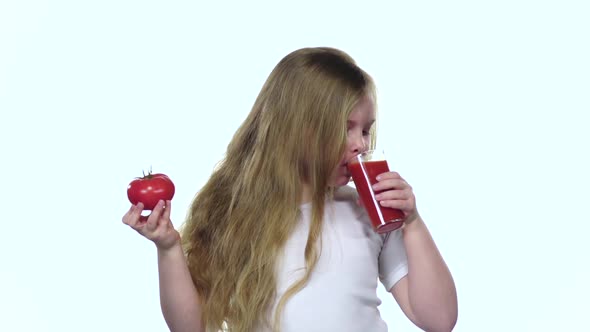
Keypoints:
(342, 292)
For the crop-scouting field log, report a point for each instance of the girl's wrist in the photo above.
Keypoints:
(412, 222)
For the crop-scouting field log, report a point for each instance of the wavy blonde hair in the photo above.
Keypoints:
(238, 223)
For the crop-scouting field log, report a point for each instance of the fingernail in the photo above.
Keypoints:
(378, 177)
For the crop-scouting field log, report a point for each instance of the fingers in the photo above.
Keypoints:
(155, 227)
(393, 194)
(405, 205)
(152, 220)
(125, 218)
(166, 214)
(398, 199)
(142, 218)
(388, 175)
(392, 183)
(132, 217)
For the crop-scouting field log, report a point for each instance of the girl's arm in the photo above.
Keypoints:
(179, 299)
(427, 294)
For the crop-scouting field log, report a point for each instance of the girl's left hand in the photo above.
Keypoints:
(396, 193)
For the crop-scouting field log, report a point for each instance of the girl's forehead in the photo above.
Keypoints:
(364, 111)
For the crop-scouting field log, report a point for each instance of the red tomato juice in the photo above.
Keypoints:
(364, 174)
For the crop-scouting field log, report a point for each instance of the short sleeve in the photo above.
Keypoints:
(393, 262)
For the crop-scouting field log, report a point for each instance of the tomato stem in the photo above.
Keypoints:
(149, 174)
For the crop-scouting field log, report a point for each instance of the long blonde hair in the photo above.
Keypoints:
(239, 222)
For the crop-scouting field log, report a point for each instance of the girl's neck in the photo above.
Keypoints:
(306, 194)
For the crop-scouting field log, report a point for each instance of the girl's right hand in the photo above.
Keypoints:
(156, 227)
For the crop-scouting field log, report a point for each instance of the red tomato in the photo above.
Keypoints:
(149, 189)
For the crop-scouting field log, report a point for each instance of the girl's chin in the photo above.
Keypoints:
(341, 180)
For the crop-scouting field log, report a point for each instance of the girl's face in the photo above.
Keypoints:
(359, 124)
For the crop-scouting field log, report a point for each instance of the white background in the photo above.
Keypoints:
(483, 109)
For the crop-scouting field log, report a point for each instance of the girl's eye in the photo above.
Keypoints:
(366, 133)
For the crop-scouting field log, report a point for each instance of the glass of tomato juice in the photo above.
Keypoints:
(364, 169)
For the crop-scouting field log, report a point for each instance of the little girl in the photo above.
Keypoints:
(275, 240)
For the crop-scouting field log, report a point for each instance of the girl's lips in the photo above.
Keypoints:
(346, 172)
